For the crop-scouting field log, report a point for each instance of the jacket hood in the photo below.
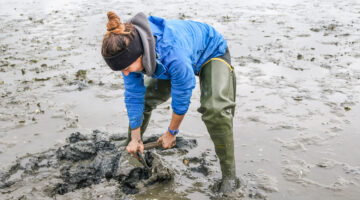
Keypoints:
(141, 24)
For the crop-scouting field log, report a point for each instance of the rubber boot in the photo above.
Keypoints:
(218, 91)
(157, 91)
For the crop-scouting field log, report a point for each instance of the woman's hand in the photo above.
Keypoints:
(134, 146)
(136, 143)
(167, 140)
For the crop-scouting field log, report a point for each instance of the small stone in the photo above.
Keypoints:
(315, 29)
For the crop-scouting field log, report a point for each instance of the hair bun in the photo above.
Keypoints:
(114, 21)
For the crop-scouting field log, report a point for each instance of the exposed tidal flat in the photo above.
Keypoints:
(296, 125)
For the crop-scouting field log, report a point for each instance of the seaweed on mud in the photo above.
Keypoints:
(81, 74)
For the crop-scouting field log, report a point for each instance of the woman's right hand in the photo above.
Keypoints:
(134, 146)
(136, 143)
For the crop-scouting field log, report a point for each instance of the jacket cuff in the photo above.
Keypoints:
(179, 112)
(135, 123)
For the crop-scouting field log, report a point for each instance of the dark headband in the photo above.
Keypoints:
(127, 56)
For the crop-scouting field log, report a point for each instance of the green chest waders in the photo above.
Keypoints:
(218, 91)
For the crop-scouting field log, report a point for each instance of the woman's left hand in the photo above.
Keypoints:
(167, 140)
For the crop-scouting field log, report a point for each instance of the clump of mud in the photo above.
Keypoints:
(87, 160)
(97, 166)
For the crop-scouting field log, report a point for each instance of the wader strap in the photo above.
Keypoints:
(219, 59)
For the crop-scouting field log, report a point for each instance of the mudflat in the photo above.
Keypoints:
(296, 124)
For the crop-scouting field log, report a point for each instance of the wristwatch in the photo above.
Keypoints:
(173, 132)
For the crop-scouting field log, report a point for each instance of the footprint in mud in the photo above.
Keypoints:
(298, 171)
(250, 186)
(199, 165)
(201, 171)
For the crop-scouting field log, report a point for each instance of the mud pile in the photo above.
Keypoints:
(85, 161)
(97, 166)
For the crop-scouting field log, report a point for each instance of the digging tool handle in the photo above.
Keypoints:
(152, 145)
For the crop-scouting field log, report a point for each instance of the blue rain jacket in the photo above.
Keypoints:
(181, 47)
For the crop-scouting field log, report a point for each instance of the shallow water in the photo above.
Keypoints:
(298, 80)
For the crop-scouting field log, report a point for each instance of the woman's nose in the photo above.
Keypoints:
(126, 73)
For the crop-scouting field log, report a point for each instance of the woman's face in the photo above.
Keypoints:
(136, 66)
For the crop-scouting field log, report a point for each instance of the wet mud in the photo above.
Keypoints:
(85, 161)
(99, 158)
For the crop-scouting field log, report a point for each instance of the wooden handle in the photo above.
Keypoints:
(152, 145)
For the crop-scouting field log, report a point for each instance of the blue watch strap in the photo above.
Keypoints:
(173, 132)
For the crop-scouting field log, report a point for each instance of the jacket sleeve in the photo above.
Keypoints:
(134, 98)
(182, 81)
